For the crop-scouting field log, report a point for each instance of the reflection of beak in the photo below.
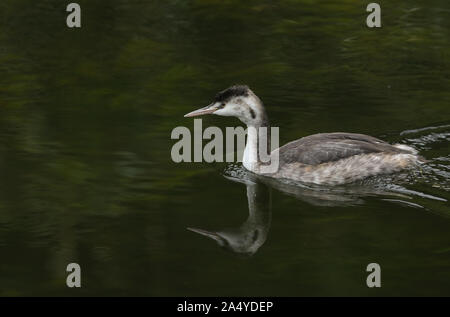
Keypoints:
(205, 110)
(209, 234)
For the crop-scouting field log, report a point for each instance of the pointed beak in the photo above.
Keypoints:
(205, 110)
(209, 234)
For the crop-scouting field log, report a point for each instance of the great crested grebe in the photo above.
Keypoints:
(324, 158)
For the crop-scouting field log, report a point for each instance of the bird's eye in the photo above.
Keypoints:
(222, 105)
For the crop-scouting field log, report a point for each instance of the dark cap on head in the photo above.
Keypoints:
(233, 91)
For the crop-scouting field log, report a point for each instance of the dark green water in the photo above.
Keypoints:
(86, 174)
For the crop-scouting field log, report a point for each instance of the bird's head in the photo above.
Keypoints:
(236, 101)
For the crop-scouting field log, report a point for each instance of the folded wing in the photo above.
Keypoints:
(328, 147)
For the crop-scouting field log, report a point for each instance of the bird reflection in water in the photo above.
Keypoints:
(252, 234)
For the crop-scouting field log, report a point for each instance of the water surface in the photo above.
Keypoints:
(86, 173)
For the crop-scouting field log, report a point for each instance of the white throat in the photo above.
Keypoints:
(250, 158)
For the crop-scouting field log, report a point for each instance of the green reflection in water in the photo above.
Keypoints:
(85, 122)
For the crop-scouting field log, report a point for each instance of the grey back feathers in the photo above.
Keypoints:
(328, 147)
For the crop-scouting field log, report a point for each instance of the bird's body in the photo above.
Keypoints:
(339, 158)
(324, 158)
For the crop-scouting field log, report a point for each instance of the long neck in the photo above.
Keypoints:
(258, 139)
